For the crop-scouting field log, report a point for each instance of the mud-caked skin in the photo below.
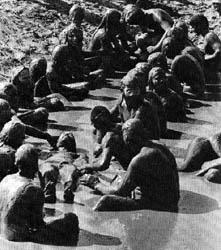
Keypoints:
(204, 153)
(172, 102)
(21, 205)
(157, 20)
(62, 166)
(151, 167)
(132, 104)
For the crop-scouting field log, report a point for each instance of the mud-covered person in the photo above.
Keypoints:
(68, 67)
(63, 167)
(205, 154)
(132, 104)
(8, 118)
(172, 102)
(110, 38)
(102, 124)
(211, 47)
(21, 205)
(151, 167)
(154, 25)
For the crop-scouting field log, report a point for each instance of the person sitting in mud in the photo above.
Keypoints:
(101, 120)
(204, 153)
(67, 67)
(211, 47)
(158, 59)
(154, 25)
(132, 104)
(9, 121)
(189, 73)
(151, 167)
(110, 38)
(172, 102)
(76, 16)
(217, 5)
(21, 206)
(64, 166)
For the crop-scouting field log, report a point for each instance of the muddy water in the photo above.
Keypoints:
(196, 226)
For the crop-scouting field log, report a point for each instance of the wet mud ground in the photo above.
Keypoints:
(195, 226)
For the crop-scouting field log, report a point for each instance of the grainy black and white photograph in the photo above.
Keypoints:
(110, 124)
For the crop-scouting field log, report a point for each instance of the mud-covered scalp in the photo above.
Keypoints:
(26, 157)
(132, 128)
(133, 14)
(97, 112)
(76, 13)
(60, 54)
(73, 31)
(170, 47)
(67, 140)
(158, 59)
(183, 25)
(12, 130)
(199, 19)
(5, 111)
(8, 88)
(153, 72)
(130, 80)
(177, 33)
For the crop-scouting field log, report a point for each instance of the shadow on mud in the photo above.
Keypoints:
(87, 238)
(194, 203)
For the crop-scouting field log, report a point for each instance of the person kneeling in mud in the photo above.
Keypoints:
(21, 206)
(151, 167)
(172, 102)
(204, 153)
(64, 166)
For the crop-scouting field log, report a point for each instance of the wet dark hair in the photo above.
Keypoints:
(97, 112)
(199, 19)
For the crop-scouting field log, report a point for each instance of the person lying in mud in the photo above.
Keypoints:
(62, 166)
(102, 123)
(154, 25)
(211, 47)
(151, 167)
(8, 118)
(204, 153)
(110, 38)
(21, 206)
(68, 68)
(172, 102)
(132, 104)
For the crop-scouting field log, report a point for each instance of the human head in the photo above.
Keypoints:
(130, 86)
(195, 52)
(183, 26)
(67, 141)
(37, 69)
(111, 20)
(157, 59)
(140, 75)
(76, 14)
(5, 112)
(26, 160)
(133, 131)
(100, 117)
(200, 24)
(157, 79)
(177, 33)
(13, 134)
(23, 84)
(74, 37)
(170, 47)
(133, 15)
(217, 5)
(9, 91)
